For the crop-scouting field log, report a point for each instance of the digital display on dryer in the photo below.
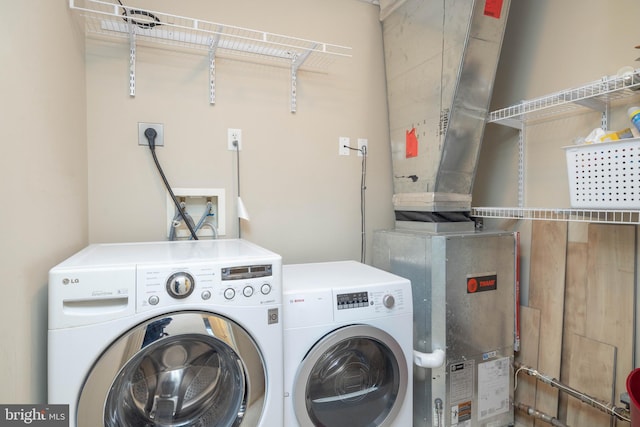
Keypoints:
(352, 300)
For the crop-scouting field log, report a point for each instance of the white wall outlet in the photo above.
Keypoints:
(363, 147)
(234, 139)
(343, 146)
(195, 200)
(159, 128)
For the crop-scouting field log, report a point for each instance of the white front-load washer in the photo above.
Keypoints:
(184, 333)
(348, 346)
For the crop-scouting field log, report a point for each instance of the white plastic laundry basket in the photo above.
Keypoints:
(605, 175)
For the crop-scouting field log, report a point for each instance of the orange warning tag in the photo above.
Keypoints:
(493, 8)
(411, 143)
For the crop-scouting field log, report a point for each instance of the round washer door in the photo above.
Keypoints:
(180, 369)
(354, 376)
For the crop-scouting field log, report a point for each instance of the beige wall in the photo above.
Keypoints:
(550, 46)
(303, 198)
(43, 179)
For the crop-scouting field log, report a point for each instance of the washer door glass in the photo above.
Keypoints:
(355, 376)
(183, 369)
(176, 381)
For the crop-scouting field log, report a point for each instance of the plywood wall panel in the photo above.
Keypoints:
(609, 304)
(592, 371)
(574, 308)
(546, 293)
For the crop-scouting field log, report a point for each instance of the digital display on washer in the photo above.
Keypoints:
(352, 300)
(246, 272)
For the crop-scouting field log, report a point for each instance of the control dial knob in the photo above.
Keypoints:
(180, 285)
(388, 301)
(229, 293)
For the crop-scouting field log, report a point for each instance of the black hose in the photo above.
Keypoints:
(150, 134)
(235, 143)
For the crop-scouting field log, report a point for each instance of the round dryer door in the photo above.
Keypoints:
(354, 376)
(181, 369)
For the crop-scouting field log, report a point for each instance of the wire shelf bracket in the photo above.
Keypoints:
(132, 64)
(104, 19)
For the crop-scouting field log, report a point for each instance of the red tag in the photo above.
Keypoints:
(411, 144)
(493, 8)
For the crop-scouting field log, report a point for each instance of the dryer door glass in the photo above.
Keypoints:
(185, 369)
(354, 380)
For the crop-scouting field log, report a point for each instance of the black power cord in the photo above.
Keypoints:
(363, 189)
(150, 134)
(235, 144)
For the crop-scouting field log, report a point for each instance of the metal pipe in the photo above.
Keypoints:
(609, 408)
(539, 415)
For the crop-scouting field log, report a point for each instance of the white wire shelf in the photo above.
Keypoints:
(597, 95)
(110, 20)
(569, 215)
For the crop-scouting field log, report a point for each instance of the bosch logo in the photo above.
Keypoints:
(67, 281)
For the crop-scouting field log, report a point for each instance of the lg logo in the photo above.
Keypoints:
(67, 281)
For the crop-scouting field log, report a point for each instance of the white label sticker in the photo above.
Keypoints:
(461, 381)
(493, 388)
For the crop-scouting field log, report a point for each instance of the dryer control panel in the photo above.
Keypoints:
(238, 285)
(371, 303)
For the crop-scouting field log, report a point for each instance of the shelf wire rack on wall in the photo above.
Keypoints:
(104, 19)
(605, 216)
(599, 95)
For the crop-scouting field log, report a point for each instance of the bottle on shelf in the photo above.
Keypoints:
(634, 115)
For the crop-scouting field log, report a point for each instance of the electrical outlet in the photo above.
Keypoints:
(363, 143)
(196, 204)
(234, 139)
(343, 146)
(142, 139)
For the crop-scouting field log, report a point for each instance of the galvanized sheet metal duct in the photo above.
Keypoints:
(441, 57)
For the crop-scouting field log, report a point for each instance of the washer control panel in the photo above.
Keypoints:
(240, 285)
(247, 281)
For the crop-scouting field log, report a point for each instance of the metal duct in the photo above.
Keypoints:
(441, 57)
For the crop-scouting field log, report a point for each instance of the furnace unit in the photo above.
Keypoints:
(464, 324)
(441, 58)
